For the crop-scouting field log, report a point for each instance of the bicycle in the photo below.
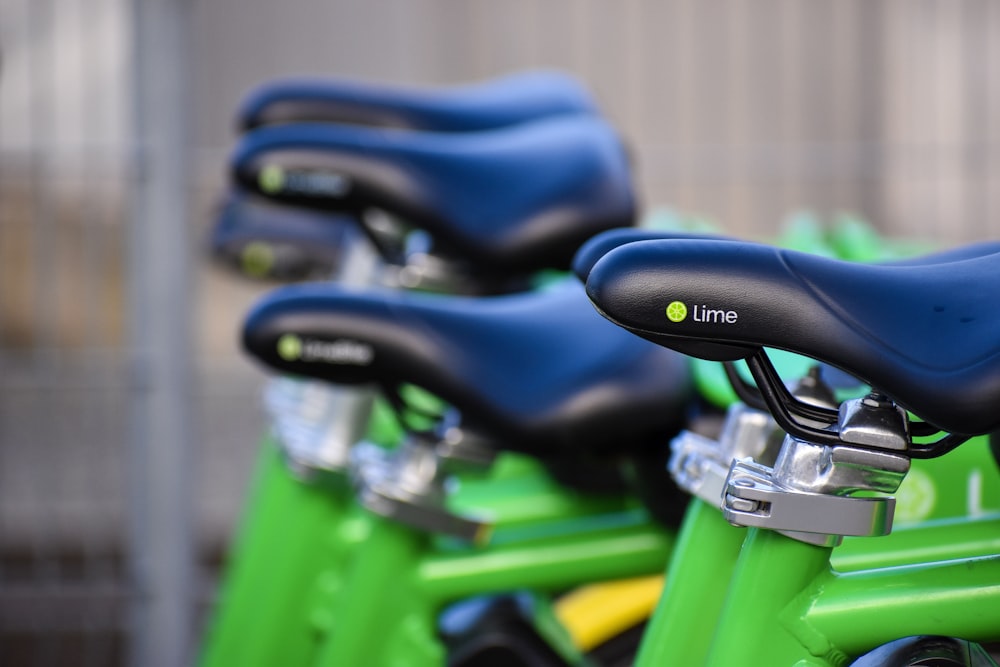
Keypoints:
(334, 314)
(438, 343)
(280, 494)
(784, 604)
(298, 604)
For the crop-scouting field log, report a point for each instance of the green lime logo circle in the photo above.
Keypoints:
(916, 497)
(677, 311)
(271, 179)
(257, 259)
(290, 347)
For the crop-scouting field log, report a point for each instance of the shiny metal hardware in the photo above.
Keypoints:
(388, 232)
(874, 421)
(812, 390)
(409, 485)
(419, 268)
(820, 469)
(463, 450)
(754, 500)
(316, 424)
(700, 465)
(697, 467)
(805, 496)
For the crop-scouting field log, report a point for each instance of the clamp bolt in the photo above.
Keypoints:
(876, 400)
(741, 504)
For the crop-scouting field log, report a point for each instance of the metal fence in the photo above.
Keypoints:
(742, 112)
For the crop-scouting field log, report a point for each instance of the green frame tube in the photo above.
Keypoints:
(290, 557)
(397, 584)
(858, 611)
(944, 539)
(771, 570)
(694, 591)
(292, 533)
(787, 606)
(297, 556)
(558, 563)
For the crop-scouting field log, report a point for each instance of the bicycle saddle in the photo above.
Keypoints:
(596, 247)
(263, 240)
(507, 100)
(925, 332)
(539, 372)
(601, 244)
(516, 199)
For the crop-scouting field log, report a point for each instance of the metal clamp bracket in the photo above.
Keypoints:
(696, 467)
(316, 424)
(752, 498)
(700, 465)
(408, 485)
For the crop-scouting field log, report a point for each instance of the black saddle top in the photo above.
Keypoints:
(927, 333)
(507, 100)
(539, 372)
(598, 246)
(263, 240)
(517, 199)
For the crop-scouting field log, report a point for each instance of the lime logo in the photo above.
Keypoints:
(677, 311)
(916, 497)
(274, 180)
(257, 259)
(290, 347)
(271, 179)
(340, 352)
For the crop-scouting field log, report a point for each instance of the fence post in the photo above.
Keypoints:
(161, 507)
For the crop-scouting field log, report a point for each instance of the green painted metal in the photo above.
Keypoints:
(771, 570)
(697, 578)
(786, 606)
(283, 546)
(567, 558)
(529, 496)
(553, 632)
(858, 611)
(316, 577)
(381, 608)
(854, 239)
(964, 482)
(805, 232)
(380, 616)
(288, 577)
(385, 610)
(943, 539)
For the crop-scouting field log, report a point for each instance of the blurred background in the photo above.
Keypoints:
(739, 112)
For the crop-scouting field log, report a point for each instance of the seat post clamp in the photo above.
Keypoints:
(409, 485)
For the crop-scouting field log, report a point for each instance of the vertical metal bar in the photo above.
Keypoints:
(159, 300)
(770, 572)
(697, 580)
(874, 85)
(42, 91)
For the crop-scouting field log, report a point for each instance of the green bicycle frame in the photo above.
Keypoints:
(294, 547)
(291, 533)
(312, 570)
(787, 606)
(295, 536)
(397, 582)
(735, 596)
